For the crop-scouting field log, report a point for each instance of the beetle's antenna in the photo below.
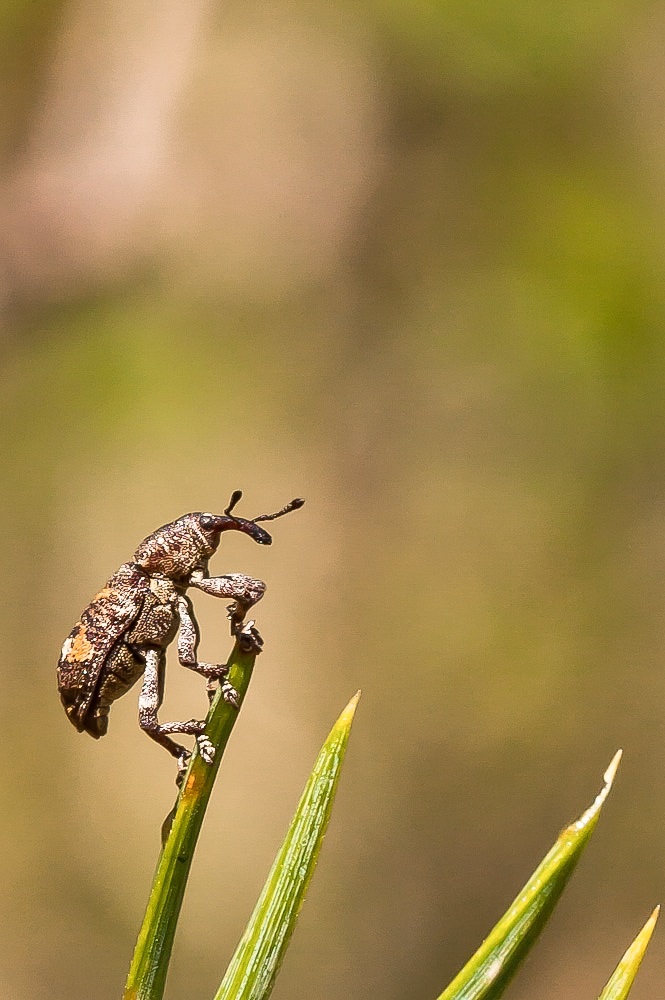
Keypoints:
(235, 497)
(294, 505)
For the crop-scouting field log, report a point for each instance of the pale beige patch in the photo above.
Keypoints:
(81, 647)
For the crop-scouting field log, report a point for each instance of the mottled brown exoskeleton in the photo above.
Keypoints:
(125, 630)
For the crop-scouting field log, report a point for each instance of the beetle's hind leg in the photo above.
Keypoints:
(150, 699)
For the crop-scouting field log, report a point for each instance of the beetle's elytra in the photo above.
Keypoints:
(124, 632)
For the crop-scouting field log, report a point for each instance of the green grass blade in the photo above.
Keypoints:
(487, 973)
(622, 978)
(149, 967)
(255, 964)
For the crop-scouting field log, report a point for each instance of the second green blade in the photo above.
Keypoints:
(255, 964)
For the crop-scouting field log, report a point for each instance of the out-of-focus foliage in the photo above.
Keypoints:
(406, 261)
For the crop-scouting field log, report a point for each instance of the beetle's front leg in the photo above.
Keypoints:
(152, 693)
(188, 641)
(244, 591)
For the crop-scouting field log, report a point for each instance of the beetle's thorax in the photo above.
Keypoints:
(175, 550)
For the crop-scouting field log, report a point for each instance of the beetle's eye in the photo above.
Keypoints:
(206, 521)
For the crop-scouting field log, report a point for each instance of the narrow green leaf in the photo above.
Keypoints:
(621, 980)
(487, 973)
(255, 964)
(147, 973)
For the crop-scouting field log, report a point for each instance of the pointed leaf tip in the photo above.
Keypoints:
(608, 777)
(592, 813)
(346, 718)
(644, 936)
(647, 930)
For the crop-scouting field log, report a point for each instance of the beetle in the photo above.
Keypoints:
(124, 632)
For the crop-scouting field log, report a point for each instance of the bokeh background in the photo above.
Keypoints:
(406, 260)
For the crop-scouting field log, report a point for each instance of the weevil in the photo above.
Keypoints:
(124, 632)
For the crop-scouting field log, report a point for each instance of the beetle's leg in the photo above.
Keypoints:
(150, 699)
(244, 591)
(188, 641)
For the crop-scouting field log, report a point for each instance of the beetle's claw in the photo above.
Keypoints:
(229, 694)
(250, 639)
(206, 748)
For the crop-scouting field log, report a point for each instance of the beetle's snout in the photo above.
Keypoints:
(260, 535)
(254, 531)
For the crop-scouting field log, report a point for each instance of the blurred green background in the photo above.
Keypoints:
(405, 260)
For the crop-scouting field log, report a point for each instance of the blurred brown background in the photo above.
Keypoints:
(408, 261)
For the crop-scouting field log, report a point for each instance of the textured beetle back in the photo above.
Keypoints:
(84, 652)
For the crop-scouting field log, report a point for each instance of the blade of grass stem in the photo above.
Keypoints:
(255, 964)
(621, 980)
(487, 973)
(147, 973)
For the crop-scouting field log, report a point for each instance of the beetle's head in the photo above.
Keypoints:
(177, 549)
